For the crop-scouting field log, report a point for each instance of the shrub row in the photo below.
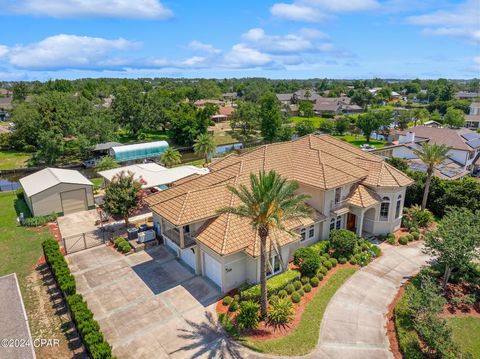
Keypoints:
(122, 245)
(274, 285)
(87, 327)
(38, 221)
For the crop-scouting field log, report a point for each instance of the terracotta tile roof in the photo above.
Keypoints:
(361, 196)
(320, 161)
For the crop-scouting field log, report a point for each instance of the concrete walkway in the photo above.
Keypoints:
(354, 323)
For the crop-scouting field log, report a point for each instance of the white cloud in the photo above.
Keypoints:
(460, 21)
(296, 12)
(200, 46)
(138, 9)
(3, 50)
(272, 43)
(67, 51)
(345, 6)
(242, 56)
(310, 33)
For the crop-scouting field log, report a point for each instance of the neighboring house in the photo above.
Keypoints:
(462, 157)
(155, 175)
(138, 151)
(202, 103)
(335, 105)
(224, 113)
(6, 107)
(297, 96)
(348, 188)
(472, 120)
(432, 123)
(55, 190)
(229, 96)
(466, 95)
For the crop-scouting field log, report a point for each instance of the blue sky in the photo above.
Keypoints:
(277, 39)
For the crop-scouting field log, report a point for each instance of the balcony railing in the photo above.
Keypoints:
(174, 235)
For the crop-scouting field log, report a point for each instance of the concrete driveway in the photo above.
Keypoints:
(148, 304)
(78, 222)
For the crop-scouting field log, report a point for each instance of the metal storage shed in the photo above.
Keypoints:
(55, 190)
(138, 151)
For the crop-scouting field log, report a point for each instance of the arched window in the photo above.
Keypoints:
(384, 208)
(399, 205)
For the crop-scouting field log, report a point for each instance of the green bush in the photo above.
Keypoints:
(334, 262)
(343, 241)
(248, 316)
(233, 307)
(283, 293)
(376, 250)
(56, 261)
(227, 300)
(321, 247)
(227, 324)
(328, 264)
(403, 240)
(122, 245)
(314, 282)
(305, 280)
(415, 217)
(290, 288)
(273, 298)
(297, 284)
(320, 276)
(415, 235)
(280, 312)
(391, 239)
(236, 297)
(410, 237)
(38, 221)
(301, 292)
(274, 285)
(342, 260)
(296, 297)
(307, 261)
(322, 270)
(117, 241)
(307, 288)
(353, 261)
(364, 258)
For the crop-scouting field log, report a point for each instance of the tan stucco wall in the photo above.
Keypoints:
(49, 200)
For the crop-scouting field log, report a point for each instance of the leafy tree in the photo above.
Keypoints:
(106, 163)
(343, 242)
(204, 117)
(271, 119)
(183, 124)
(171, 157)
(420, 115)
(368, 122)
(398, 163)
(432, 155)
(361, 97)
(204, 145)
(456, 241)
(50, 147)
(129, 108)
(304, 127)
(246, 118)
(403, 119)
(342, 124)
(307, 260)
(123, 195)
(20, 91)
(326, 126)
(306, 108)
(267, 203)
(454, 118)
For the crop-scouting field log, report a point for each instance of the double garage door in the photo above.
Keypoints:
(74, 201)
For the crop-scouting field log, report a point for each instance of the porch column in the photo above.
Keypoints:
(182, 238)
(360, 223)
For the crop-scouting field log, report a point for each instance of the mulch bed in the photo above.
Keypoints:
(267, 332)
(391, 331)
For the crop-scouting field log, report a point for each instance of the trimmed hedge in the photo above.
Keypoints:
(122, 245)
(87, 327)
(274, 285)
(321, 247)
(40, 220)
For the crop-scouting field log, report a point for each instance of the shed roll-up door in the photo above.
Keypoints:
(74, 201)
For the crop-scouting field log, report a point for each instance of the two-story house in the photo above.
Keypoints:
(472, 120)
(348, 188)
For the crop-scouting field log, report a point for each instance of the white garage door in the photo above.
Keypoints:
(213, 269)
(74, 201)
(188, 256)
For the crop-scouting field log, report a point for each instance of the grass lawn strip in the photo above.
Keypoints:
(304, 339)
(466, 333)
(360, 140)
(11, 160)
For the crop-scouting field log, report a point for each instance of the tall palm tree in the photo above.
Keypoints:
(204, 145)
(268, 202)
(171, 157)
(432, 155)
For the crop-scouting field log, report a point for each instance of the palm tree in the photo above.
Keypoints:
(268, 203)
(171, 157)
(204, 145)
(432, 155)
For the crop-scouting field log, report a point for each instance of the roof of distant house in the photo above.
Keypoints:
(467, 94)
(106, 146)
(48, 177)
(319, 161)
(454, 138)
(6, 103)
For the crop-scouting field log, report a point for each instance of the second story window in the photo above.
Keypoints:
(338, 194)
(399, 205)
(384, 208)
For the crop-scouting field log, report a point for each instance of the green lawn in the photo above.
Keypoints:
(97, 182)
(10, 160)
(224, 139)
(360, 140)
(466, 333)
(316, 120)
(305, 337)
(20, 247)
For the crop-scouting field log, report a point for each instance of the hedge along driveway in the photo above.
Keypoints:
(305, 337)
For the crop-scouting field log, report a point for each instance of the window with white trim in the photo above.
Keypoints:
(274, 265)
(303, 234)
(311, 231)
(399, 205)
(384, 208)
(332, 224)
(338, 224)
